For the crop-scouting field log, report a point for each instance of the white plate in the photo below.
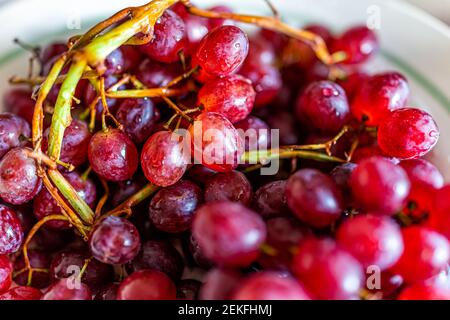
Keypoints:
(413, 42)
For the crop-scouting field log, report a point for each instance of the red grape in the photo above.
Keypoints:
(158, 255)
(260, 52)
(228, 233)
(219, 284)
(425, 291)
(373, 240)
(6, 270)
(14, 132)
(270, 199)
(326, 270)
(216, 143)
(112, 155)
(314, 198)
(40, 261)
(380, 186)
(440, 217)
(75, 143)
(11, 232)
(114, 240)
(266, 80)
(323, 106)
(359, 43)
(270, 286)
(378, 95)
(19, 181)
(19, 102)
(21, 293)
(95, 275)
(232, 96)
(164, 158)
(108, 293)
(45, 204)
(232, 186)
(63, 290)
(287, 126)
(172, 208)
(169, 38)
(352, 82)
(222, 51)
(155, 74)
(255, 133)
(147, 285)
(407, 133)
(138, 117)
(426, 254)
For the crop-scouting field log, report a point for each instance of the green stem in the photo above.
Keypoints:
(72, 197)
(135, 199)
(61, 116)
(263, 156)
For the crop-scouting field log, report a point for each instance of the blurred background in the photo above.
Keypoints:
(438, 8)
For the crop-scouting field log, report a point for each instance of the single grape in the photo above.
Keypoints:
(219, 284)
(197, 255)
(266, 80)
(254, 132)
(19, 102)
(22, 293)
(270, 199)
(260, 51)
(147, 285)
(169, 38)
(108, 293)
(378, 95)
(268, 285)
(138, 117)
(323, 106)
(112, 155)
(156, 74)
(341, 175)
(232, 96)
(19, 181)
(158, 255)
(327, 271)
(131, 57)
(11, 231)
(380, 186)
(44, 204)
(6, 270)
(232, 186)
(172, 209)
(40, 262)
(425, 180)
(200, 174)
(75, 143)
(287, 126)
(359, 43)
(52, 50)
(407, 133)
(228, 233)
(426, 254)
(440, 217)
(164, 158)
(90, 93)
(65, 289)
(188, 289)
(114, 240)
(114, 63)
(425, 291)
(215, 23)
(314, 198)
(373, 240)
(14, 132)
(352, 82)
(283, 235)
(96, 274)
(222, 51)
(216, 143)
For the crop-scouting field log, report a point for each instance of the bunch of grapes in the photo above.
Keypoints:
(134, 172)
